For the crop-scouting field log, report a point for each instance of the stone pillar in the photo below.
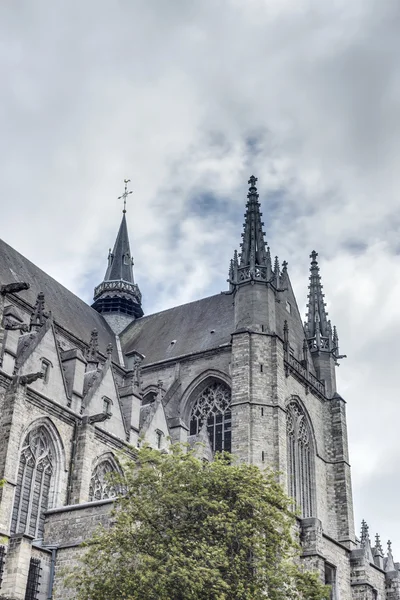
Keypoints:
(16, 567)
(11, 419)
(325, 368)
(258, 421)
(74, 366)
(341, 472)
(81, 471)
(130, 396)
(178, 431)
(254, 304)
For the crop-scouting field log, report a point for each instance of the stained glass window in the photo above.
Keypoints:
(213, 407)
(100, 485)
(300, 459)
(36, 468)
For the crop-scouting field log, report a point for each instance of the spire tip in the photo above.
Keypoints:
(125, 194)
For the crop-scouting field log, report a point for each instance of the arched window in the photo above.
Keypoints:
(34, 481)
(300, 459)
(213, 406)
(100, 485)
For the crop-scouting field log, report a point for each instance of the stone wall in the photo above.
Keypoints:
(66, 528)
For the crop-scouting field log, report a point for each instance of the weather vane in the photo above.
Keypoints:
(125, 194)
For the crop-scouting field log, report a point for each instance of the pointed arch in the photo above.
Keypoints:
(300, 457)
(41, 460)
(208, 401)
(100, 486)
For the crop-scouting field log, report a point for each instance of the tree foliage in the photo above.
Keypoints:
(185, 529)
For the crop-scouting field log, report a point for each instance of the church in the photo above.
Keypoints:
(239, 371)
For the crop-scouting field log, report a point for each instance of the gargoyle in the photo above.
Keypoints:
(12, 288)
(31, 377)
(99, 418)
(11, 325)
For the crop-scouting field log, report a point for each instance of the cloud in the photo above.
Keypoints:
(187, 99)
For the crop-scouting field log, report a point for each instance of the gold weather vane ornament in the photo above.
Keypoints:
(125, 194)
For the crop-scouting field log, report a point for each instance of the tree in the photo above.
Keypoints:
(185, 529)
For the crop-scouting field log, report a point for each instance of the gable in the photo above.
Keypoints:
(105, 388)
(153, 423)
(44, 350)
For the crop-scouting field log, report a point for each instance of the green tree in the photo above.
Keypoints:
(191, 530)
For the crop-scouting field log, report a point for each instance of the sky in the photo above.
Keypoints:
(188, 99)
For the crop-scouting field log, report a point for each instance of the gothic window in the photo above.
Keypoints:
(107, 402)
(300, 459)
(33, 583)
(45, 369)
(330, 579)
(35, 474)
(100, 485)
(159, 437)
(213, 408)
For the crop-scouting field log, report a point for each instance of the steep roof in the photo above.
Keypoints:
(68, 310)
(193, 327)
(120, 263)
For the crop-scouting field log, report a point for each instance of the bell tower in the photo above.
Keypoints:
(118, 297)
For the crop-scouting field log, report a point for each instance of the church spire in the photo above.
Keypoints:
(120, 261)
(255, 260)
(322, 339)
(118, 297)
(318, 327)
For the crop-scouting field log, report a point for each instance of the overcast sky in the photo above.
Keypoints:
(187, 99)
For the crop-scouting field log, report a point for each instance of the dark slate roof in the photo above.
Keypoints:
(68, 310)
(182, 329)
(121, 263)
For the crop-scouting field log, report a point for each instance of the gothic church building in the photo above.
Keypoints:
(239, 371)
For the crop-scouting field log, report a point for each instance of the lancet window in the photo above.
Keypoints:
(300, 459)
(100, 485)
(212, 408)
(34, 482)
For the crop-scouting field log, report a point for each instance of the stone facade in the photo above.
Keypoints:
(239, 371)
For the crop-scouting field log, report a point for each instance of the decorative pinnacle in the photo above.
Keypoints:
(284, 266)
(125, 194)
(231, 269)
(378, 544)
(252, 182)
(364, 532)
(389, 546)
(39, 315)
(109, 349)
(92, 351)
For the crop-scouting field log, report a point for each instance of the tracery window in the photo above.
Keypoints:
(100, 485)
(300, 459)
(35, 473)
(213, 407)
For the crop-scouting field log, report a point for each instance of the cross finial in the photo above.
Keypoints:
(125, 194)
(314, 255)
(252, 181)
